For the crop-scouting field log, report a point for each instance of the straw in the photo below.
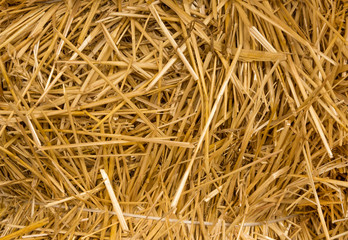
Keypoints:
(165, 119)
(114, 201)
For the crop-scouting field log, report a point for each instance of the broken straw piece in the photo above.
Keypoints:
(114, 201)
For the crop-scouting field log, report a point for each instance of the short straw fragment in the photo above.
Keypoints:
(114, 201)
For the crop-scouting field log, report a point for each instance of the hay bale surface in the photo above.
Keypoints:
(173, 119)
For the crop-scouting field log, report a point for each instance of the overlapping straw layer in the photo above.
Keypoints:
(173, 119)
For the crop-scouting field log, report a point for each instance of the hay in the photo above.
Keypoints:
(173, 119)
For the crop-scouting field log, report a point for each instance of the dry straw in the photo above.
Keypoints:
(173, 119)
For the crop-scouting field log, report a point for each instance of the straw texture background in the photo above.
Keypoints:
(173, 119)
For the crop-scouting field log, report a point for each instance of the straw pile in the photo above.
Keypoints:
(173, 119)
